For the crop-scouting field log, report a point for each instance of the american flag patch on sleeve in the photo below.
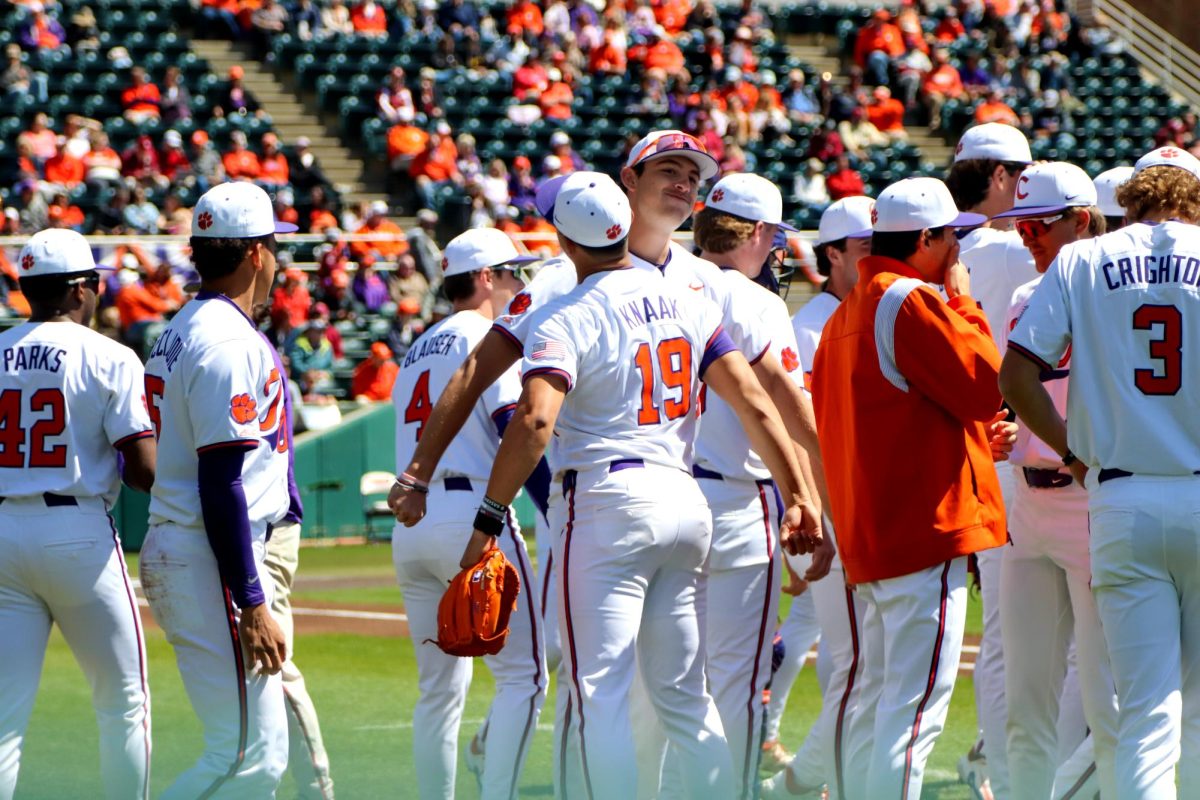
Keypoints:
(548, 349)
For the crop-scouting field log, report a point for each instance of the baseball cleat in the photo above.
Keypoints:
(474, 762)
(776, 788)
(972, 770)
(774, 757)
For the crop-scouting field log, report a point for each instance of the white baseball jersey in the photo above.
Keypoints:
(625, 334)
(68, 397)
(998, 262)
(211, 382)
(723, 445)
(1029, 450)
(426, 370)
(555, 278)
(807, 324)
(1132, 300)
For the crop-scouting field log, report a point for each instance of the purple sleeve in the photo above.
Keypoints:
(227, 523)
(537, 485)
(718, 345)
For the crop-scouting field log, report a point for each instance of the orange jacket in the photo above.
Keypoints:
(273, 169)
(405, 140)
(241, 164)
(374, 381)
(887, 115)
(998, 111)
(885, 37)
(386, 248)
(920, 454)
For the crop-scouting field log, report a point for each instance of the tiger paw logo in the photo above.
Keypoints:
(1169, 152)
(718, 195)
(205, 222)
(243, 409)
(958, 150)
(27, 262)
(791, 361)
(520, 304)
(445, 263)
(613, 232)
(874, 215)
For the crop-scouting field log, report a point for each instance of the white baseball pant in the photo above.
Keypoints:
(426, 559)
(307, 758)
(799, 632)
(911, 642)
(63, 564)
(1045, 598)
(242, 711)
(1146, 579)
(630, 557)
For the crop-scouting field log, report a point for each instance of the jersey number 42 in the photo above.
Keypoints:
(47, 411)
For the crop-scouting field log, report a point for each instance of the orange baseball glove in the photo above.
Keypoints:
(473, 614)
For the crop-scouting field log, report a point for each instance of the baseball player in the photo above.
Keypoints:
(1044, 592)
(1130, 299)
(843, 239)
(985, 178)
(216, 399)
(895, 357)
(70, 404)
(612, 368)
(479, 279)
(1106, 184)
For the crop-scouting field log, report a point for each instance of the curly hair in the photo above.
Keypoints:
(717, 232)
(1158, 190)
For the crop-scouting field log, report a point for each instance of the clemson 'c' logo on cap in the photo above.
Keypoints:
(1021, 182)
(205, 221)
(874, 215)
(958, 149)
(1169, 152)
(613, 232)
(27, 261)
(718, 195)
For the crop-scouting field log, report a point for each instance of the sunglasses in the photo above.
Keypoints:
(90, 281)
(1036, 226)
(672, 141)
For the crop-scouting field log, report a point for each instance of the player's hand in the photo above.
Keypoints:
(262, 640)
(479, 544)
(1001, 436)
(795, 585)
(1079, 471)
(800, 531)
(822, 560)
(958, 280)
(406, 504)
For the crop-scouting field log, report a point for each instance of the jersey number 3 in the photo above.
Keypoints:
(1167, 348)
(674, 357)
(13, 433)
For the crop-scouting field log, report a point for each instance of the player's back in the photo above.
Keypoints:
(1132, 298)
(426, 370)
(211, 382)
(808, 323)
(68, 396)
(998, 262)
(632, 347)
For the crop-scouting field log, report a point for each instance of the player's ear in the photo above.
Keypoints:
(629, 178)
(1083, 219)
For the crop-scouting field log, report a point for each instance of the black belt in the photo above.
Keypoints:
(614, 466)
(700, 472)
(1047, 478)
(54, 500)
(458, 484)
(1110, 473)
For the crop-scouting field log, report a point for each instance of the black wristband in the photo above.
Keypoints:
(494, 507)
(487, 524)
(1068, 459)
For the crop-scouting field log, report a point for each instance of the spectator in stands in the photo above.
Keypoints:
(285, 206)
(61, 214)
(374, 376)
(560, 145)
(406, 281)
(141, 100)
(119, 59)
(18, 79)
(304, 21)
(530, 80)
(522, 186)
(740, 53)
(994, 109)
(768, 120)
(556, 100)
(176, 218)
(435, 167)
(220, 18)
(34, 211)
(660, 52)
(369, 19)
(235, 99)
(845, 180)
(608, 58)
(541, 237)
(975, 77)
(809, 186)
(65, 170)
(886, 113)
(102, 165)
(459, 18)
(335, 19)
(391, 242)
(173, 160)
(42, 31)
(911, 69)
(110, 218)
(407, 326)
(207, 164)
(878, 43)
(304, 168)
(140, 163)
(41, 140)
(290, 303)
(468, 156)
(799, 100)
(394, 101)
(825, 144)
(321, 311)
(524, 17)
(267, 21)
(733, 159)
(858, 135)
(241, 163)
(422, 244)
(176, 102)
(428, 99)
(368, 287)
(405, 141)
(949, 28)
(146, 296)
(83, 35)
(941, 84)
(141, 216)
(272, 164)
(312, 358)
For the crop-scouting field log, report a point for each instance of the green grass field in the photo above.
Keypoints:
(364, 688)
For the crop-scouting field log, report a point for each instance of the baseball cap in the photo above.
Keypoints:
(378, 207)
(173, 139)
(543, 199)
(57, 251)
(751, 197)
(409, 306)
(477, 248)
(381, 350)
(559, 138)
(994, 140)
(303, 142)
(1168, 157)
(236, 210)
(1106, 184)
(658, 144)
(848, 218)
(1046, 188)
(915, 204)
(591, 210)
